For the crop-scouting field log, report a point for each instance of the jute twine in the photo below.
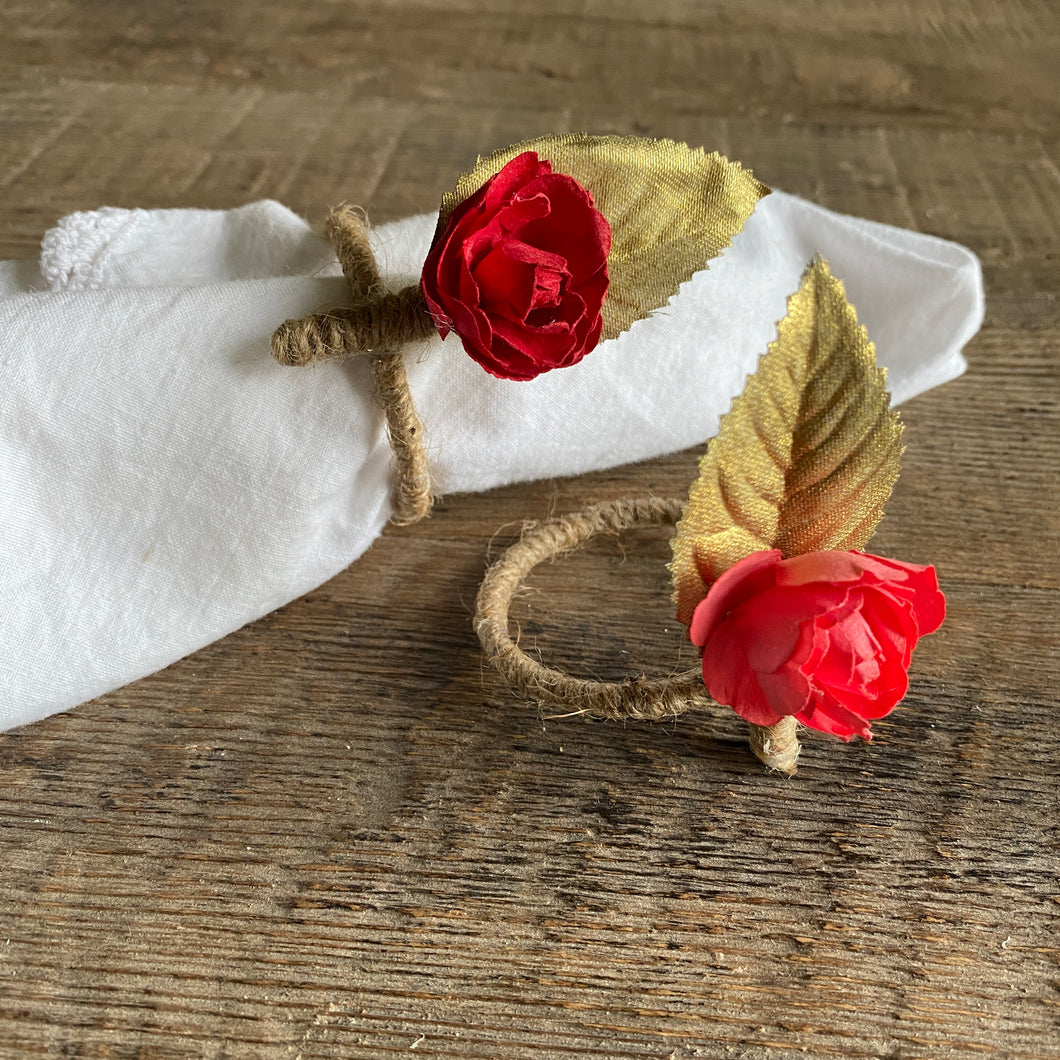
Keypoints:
(641, 698)
(378, 324)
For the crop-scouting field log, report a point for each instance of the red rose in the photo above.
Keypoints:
(520, 271)
(825, 636)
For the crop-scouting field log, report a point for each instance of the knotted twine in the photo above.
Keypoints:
(378, 324)
(639, 698)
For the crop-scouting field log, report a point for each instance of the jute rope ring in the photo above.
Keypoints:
(638, 698)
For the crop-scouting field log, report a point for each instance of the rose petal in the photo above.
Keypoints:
(851, 659)
(833, 568)
(894, 623)
(889, 691)
(549, 344)
(511, 177)
(469, 320)
(732, 684)
(929, 604)
(740, 582)
(522, 278)
(836, 720)
(772, 621)
(787, 690)
(572, 223)
(506, 362)
(504, 283)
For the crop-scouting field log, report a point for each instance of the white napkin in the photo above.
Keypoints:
(163, 481)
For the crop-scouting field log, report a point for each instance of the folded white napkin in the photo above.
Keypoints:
(163, 481)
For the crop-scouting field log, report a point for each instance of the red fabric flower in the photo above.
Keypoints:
(825, 636)
(520, 271)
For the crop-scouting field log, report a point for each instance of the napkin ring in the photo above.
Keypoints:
(794, 623)
(542, 251)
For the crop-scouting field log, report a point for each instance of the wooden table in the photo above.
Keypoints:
(333, 834)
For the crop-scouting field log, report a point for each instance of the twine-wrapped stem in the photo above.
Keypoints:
(378, 328)
(413, 500)
(777, 746)
(650, 698)
(379, 324)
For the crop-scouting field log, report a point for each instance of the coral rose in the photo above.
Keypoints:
(825, 636)
(520, 271)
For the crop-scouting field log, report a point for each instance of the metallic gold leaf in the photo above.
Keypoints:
(671, 209)
(806, 457)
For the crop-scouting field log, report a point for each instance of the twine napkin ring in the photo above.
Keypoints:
(542, 251)
(795, 624)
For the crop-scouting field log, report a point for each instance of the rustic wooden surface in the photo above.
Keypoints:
(332, 834)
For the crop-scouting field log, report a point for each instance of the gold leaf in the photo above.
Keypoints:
(671, 209)
(807, 456)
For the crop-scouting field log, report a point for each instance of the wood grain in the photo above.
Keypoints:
(333, 834)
